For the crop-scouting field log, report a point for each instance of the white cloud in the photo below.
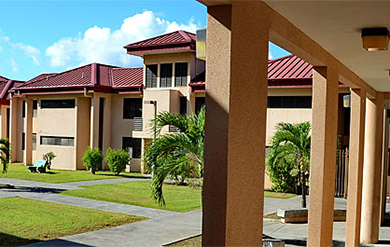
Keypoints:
(30, 51)
(100, 44)
(270, 55)
(14, 65)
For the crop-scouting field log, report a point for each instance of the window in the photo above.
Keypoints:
(289, 102)
(199, 102)
(58, 103)
(23, 141)
(57, 141)
(181, 74)
(151, 75)
(34, 146)
(132, 108)
(35, 108)
(183, 105)
(135, 143)
(24, 109)
(166, 75)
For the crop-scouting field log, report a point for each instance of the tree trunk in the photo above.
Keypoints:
(303, 184)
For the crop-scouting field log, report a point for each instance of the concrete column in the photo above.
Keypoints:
(236, 102)
(385, 162)
(29, 133)
(372, 170)
(107, 127)
(355, 176)
(323, 156)
(4, 121)
(14, 128)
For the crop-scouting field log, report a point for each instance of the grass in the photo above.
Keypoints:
(278, 195)
(191, 242)
(272, 216)
(19, 171)
(178, 198)
(25, 221)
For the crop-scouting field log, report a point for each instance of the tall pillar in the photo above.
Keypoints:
(385, 162)
(236, 102)
(372, 170)
(29, 133)
(14, 128)
(323, 156)
(355, 176)
(94, 120)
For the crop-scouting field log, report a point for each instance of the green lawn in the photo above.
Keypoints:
(19, 171)
(178, 198)
(25, 221)
(278, 195)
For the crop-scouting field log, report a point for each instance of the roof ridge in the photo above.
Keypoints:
(280, 58)
(185, 35)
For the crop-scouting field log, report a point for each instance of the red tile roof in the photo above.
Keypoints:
(5, 86)
(178, 41)
(92, 76)
(2, 78)
(289, 67)
(127, 77)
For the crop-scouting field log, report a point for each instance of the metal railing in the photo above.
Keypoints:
(137, 124)
(341, 180)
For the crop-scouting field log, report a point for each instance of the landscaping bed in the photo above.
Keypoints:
(25, 221)
(20, 171)
(177, 198)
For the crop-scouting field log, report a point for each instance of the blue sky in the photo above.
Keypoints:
(55, 35)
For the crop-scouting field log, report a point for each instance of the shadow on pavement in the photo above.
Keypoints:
(11, 240)
(58, 243)
(34, 189)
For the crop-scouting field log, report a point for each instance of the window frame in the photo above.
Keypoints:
(181, 75)
(54, 104)
(131, 114)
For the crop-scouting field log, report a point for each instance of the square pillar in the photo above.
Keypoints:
(355, 176)
(14, 128)
(27, 158)
(372, 170)
(236, 110)
(385, 162)
(323, 156)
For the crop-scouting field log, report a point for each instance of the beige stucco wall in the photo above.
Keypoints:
(20, 129)
(83, 107)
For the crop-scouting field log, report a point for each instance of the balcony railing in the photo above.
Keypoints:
(173, 129)
(137, 123)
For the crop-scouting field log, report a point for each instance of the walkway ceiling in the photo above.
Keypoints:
(336, 26)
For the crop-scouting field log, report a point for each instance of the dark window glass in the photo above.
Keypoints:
(132, 108)
(58, 103)
(57, 140)
(199, 102)
(289, 102)
(135, 143)
(35, 108)
(166, 75)
(24, 108)
(181, 74)
(183, 105)
(23, 141)
(151, 75)
(34, 146)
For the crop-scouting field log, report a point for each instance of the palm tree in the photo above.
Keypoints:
(291, 142)
(176, 155)
(5, 153)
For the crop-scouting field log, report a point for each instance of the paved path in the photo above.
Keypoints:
(105, 181)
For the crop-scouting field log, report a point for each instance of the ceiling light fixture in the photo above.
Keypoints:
(375, 39)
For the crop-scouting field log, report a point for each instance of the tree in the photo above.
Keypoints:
(176, 155)
(117, 160)
(290, 149)
(49, 157)
(5, 153)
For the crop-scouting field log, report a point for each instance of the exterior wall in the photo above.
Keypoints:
(20, 129)
(83, 107)
(122, 127)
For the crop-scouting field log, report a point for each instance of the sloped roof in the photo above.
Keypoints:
(5, 86)
(289, 67)
(2, 78)
(127, 77)
(96, 76)
(175, 41)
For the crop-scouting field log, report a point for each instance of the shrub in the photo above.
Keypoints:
(49, 157)
(92, 158)
(117, 160)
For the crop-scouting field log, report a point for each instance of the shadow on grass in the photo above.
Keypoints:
(58, 243)
(11, 240)
(121, 176)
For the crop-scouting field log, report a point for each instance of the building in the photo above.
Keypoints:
(328, 35)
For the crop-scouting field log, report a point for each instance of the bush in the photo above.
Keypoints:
(283, 175)
(92, 158)
(117, 160)
(49, 157)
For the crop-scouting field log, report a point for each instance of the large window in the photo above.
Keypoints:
(58, 103)
(151, 75)
(199, 102)
(166, 75)
(134, 143)
(132, 108)
(57, 140)
(181, 74)
(289, 102)
(35, 108)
